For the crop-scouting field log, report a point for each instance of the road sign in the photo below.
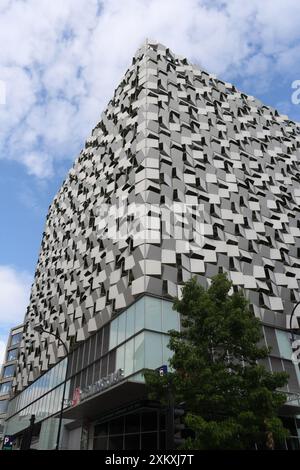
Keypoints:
(162, 370)
(8, 443)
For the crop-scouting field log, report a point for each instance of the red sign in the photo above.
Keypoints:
(76, 396)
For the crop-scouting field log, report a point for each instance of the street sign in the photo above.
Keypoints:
(7, 443)
(162, 370)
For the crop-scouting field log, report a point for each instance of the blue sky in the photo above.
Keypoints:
(59, 65)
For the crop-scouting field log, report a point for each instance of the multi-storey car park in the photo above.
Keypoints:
(183, 176)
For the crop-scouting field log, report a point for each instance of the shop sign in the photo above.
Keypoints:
(99, 386)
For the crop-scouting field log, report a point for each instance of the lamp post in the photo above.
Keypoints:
(40, 329)
(291, 321)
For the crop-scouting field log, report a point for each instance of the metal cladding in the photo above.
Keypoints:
(172, 136)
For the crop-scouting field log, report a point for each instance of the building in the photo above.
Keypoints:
(183, 176)
(8, 370)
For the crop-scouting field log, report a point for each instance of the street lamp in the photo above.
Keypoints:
(40, 329)
(291, 321)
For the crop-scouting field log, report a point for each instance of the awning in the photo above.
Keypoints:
(94, 407)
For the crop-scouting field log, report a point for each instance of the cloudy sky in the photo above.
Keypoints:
(59, 64)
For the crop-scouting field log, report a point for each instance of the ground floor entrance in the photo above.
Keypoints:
(141, 429)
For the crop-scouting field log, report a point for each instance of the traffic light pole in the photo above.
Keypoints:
(170, 420)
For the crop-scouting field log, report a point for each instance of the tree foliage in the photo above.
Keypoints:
(232, 399)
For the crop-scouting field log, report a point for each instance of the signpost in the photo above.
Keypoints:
(162, 370)
(8, 443)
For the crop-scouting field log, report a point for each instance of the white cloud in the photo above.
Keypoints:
(38, 164)
(61, 62)
(14, 295)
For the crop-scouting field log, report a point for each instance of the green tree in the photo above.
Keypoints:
(232, 400)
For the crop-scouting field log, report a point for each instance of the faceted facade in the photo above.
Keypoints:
(210, 178)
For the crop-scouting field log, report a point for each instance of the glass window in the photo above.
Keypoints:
(149, 421)
(3, 406)
(99, 344)
(51, 403)
(116, 426)
(46, 377)
(22, 401)
(130, 321)
(132, 423)
(104, 364)
(271, 340)
(39, 389)
(112, 361)
(100, 443)
(140, 315)
(26, 397)
(80, 357)
(15, 339)
(167, 353)
(43, 405)
(170, 318)
(37, 410)
(51, 378)
(90, 375)
(113, 337)
(33, 391)
(153, 350)
(149, 440)
(132, 441)
(105, 342)
(129, 357)
(75, 359)
(162, 440)
(5, 388)
(115, 443)
(120, 357)
(42, 385)
(97, 369)
(92, 349)
(293, 383)
(153, 314)
(56, 400)
(121, 328)
(58, 374)
(9, 371)
(83, 378)
(284, 344)
(139, 352)
(101, 429)
(87, 351)
(12, 354)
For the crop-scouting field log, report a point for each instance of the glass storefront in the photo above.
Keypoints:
(144, 429)
(136, 339)
(40, 387)
(42, 408)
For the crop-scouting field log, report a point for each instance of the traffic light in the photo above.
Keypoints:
(179, 427)
(176, 429)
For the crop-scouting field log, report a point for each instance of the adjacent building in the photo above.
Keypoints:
(8, 371)
(183, 176)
